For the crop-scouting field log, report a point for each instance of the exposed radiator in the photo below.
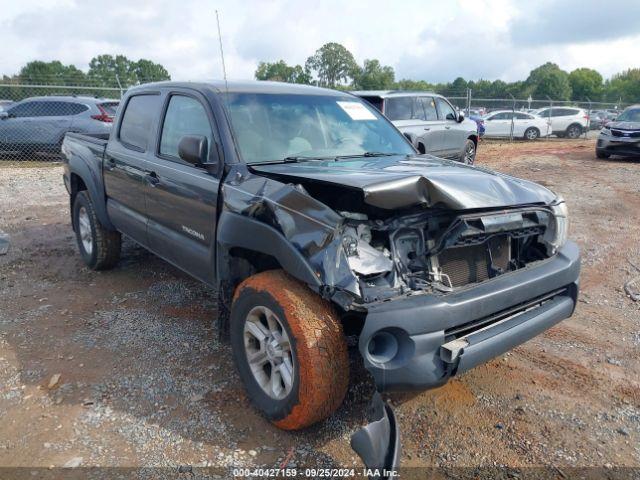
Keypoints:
(470, 264)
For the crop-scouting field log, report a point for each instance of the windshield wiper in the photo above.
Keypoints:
(368, 154)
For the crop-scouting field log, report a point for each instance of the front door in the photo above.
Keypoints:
(453, 135)
(182, 197)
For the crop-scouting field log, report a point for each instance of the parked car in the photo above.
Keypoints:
(429, 121)
(525, 125)
(622, 136)
(38, 124)
(310, 214)
(570, 122)
(597, 119)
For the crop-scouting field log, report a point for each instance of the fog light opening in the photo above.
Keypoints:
(382, 347)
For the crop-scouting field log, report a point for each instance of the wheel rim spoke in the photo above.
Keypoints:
(84, 230)
(268, 352)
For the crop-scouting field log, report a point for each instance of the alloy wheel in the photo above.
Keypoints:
(268, 351)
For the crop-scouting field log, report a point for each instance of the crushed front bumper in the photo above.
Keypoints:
(419, 342)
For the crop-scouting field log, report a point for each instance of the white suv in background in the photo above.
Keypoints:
(570, 122)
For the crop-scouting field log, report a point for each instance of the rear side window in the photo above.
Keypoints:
(68, 108)
(109, 108)
(137, 120)
(404, 108)
(185, 116)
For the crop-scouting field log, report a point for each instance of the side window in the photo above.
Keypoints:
(404, 108)
(27, 109)
(138, 120)
(185, 116)
(445, 110)
(75, 108)
(521, 116)
(429, 106)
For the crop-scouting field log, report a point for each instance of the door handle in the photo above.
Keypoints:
(152, 179)
(427, 129)
(448, 127)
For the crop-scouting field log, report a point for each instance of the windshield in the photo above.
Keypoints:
(273, 127)
(631, 115)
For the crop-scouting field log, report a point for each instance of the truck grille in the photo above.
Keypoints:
(471, 264)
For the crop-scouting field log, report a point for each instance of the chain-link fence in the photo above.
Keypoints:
(585, 114)
(35, 117)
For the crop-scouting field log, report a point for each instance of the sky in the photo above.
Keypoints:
(428, 40)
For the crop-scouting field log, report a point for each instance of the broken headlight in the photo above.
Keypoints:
(560, 226)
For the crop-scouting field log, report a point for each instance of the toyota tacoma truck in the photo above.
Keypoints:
(315, 219)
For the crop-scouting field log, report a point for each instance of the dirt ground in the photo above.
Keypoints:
(144, 381)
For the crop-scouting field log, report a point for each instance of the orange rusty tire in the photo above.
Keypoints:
(317, 346)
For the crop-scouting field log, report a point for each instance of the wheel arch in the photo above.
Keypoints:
(246, 246)
(81, 177)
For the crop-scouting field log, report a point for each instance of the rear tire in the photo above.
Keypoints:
(99, 247)
(531, 133)
(573, 131)
(602, 154)
(289, 349)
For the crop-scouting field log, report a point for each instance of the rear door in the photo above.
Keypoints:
(125, 164)
(417, 116)
(181, 197)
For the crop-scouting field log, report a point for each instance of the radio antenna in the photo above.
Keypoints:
(224, 69)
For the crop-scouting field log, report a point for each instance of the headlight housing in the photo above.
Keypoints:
(556, 236)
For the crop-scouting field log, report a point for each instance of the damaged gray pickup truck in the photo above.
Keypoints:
(315, 219)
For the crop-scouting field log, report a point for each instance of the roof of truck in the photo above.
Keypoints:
(250, 86)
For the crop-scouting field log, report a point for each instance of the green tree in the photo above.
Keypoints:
(373, 76)
(107, 70)
(586, 83)
(333, 65)
(549, 80)
(51, 73)
(624, 86)
(281, 72)
(459, 86)
(415, 85)
(148, 71)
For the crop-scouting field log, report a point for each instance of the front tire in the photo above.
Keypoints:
(99, 247)
(531, 133)
(289, 349)
(602, 154)
(468, 156)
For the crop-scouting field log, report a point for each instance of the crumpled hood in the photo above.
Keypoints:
(402, 182)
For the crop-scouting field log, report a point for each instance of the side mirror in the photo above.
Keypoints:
(194, 149)
(4, 115)
(460, 117)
